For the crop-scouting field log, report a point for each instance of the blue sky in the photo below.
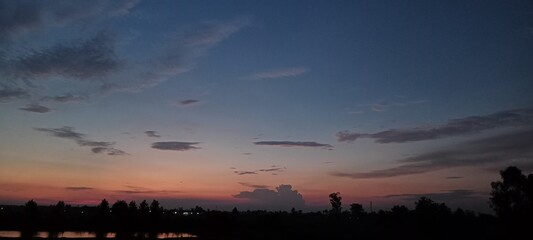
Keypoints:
(242, 102)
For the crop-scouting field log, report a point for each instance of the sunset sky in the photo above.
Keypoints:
(263, 104)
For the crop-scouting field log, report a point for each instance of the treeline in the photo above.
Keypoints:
(428, 218)
(123, 218)
(511, 198)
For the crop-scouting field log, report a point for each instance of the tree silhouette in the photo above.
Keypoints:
(132, 215)
(31, 217)
(102, 217)
(120, 213)
(513, 196)
(155, 209)
(57, 218)
(132, 207)
(143, 217)
(426, 206)
(155, 216)
(432, 217)
(120, 209)
(336, 204)
(103, 208)
(357, 211)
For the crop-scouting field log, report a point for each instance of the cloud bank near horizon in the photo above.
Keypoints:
(283, 197)
(513, 147)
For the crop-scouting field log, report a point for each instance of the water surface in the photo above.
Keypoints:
(74, 235)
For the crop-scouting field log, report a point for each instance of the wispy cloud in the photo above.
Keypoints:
(188, 103)
(272, 169)
(147, 191)
(282, 197)
(245, 172)
(64, 11)
(64, 132)
(108, 150)
(7, 94)
(143, 190)
(454, 177)
(175, 146)
(79, 188)
(382, 106)
(94, 57)
(445, 196)
(279, 73)
(178, 54)
(514, 146)
(66, 98)
(94, 60)
(293, 144)
(454, 127)
(152, 134)
(80, 139)
(253, 185)
(36, 108)
(25, 63)
(17, 17)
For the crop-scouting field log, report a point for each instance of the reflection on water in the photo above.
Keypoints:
(175, 235)
(166, 235)
(10, 234)
(70, 234)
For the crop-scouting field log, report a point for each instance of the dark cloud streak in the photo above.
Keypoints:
(514, 146)
(108, 150)
(79, 188)
(175, 146)
(7, 94)
(36, 108)
(293, 144)
(147, 191)
(189, 102)
(69, 97)
(253, 185)
(454, 127)
(273, 169)
(452, 195)
(152, 134)
(143, 190)
(96, 146)
(245, 172)
(63, 132)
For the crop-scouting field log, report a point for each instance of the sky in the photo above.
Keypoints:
(263, 104)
